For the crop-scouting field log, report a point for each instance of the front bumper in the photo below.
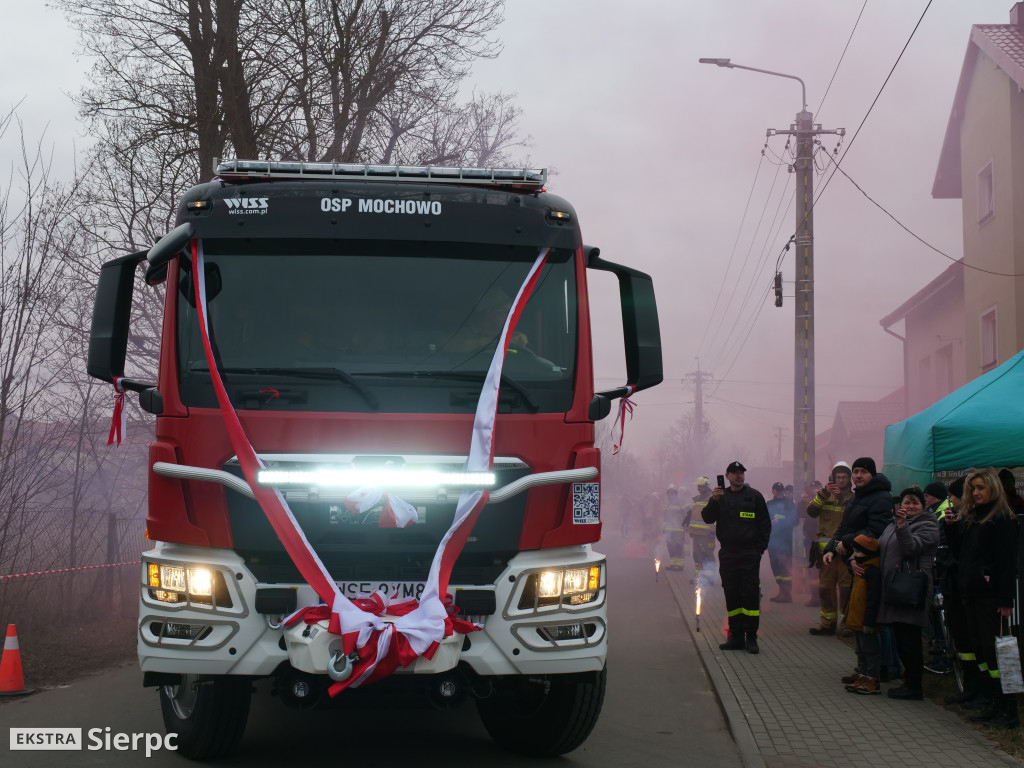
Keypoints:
(236, 640)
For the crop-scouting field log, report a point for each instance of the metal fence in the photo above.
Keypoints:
(48, 589)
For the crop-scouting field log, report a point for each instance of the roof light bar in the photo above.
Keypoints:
(533, 177)
(375, 478)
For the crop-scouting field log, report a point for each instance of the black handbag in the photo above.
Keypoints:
(906, 588)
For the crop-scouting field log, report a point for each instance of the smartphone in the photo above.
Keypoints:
(721, 481)
(831, 479)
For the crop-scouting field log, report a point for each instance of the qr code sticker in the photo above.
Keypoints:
(586, 503)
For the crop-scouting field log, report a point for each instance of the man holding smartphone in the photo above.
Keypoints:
(828, 506)
(743, 528)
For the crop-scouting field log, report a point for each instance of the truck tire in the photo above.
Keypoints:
(208, 713)
(544, 717)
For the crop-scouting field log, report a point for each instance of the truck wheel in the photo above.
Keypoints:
(544, 717)
(207, 713)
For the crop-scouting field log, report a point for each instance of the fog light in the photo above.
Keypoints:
(200, 582)
(549, 584)
(172, 577)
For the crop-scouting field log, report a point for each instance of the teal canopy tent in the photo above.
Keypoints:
(979, 425)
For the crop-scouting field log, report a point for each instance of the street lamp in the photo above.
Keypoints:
(803, 374)
(727, 63)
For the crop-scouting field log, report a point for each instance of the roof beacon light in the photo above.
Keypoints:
(515, 177)
(374, 478)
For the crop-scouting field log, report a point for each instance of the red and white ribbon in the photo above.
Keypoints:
(397, 513)
(625, 405)
(119, 420)
(382, 646)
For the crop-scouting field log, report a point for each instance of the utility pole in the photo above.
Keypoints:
(778, 434)
(698, 377)
(805, 132)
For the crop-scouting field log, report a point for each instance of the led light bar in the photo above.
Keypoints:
(373, 478)
(533, 177)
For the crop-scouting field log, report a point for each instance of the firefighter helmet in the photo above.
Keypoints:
(703, 481)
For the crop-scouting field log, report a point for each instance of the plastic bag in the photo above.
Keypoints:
(1008, 659)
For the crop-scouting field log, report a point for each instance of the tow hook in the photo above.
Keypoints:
(343, 673)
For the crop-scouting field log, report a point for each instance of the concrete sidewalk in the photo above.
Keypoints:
(787, 709)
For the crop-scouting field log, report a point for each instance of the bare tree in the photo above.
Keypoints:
(300, 79)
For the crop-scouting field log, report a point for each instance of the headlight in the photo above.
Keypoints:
(195, 584)
(564, 586)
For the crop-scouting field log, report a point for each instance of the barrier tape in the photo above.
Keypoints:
(67, 570)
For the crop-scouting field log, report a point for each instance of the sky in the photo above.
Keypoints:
(662, 159)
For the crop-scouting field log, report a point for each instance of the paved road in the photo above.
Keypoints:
(660, 708)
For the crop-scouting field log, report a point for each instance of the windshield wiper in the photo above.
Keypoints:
(512, 384)
(336, 374)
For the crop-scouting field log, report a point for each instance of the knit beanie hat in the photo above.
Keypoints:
(866, 544)
(936, 489)
(956, 488)
(867, 463)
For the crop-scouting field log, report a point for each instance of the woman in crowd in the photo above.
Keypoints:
(984, 543)
(910, 542)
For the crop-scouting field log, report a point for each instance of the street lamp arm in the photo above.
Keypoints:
(728, 64)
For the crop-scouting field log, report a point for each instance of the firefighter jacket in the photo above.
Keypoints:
(741, 519)
(694, 519)
(673, 516)
(828, 509)
(783, 516)
(868, 512)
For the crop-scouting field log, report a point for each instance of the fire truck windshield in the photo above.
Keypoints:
(377, 326)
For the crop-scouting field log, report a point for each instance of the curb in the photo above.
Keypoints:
(724, 693)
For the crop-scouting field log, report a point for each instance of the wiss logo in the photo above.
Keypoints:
(247, 205)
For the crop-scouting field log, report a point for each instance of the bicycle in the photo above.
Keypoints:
(942, 644)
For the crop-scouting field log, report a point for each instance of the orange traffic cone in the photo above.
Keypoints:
(12, 681)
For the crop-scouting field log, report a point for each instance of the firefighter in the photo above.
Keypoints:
(674, 527)
(743, 529)
(827, 506)
(780, 548)
(702, 535)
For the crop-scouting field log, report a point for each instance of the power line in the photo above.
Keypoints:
(878, 95)
(920, 239)
(841, 57)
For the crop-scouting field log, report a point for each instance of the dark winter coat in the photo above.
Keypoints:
(986, 556)
(915, 543)
(868, 512)
(742, 519)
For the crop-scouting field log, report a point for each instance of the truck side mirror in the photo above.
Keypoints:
(641, 331)
(111, 315)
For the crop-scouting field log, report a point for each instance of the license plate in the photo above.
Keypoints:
(396, 590)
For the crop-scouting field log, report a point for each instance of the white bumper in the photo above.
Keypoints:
(238, 641)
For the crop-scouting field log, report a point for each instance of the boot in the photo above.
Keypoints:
(820, 630)
(990, 711)
(970, 690)
(752, 644)
(736, 642)
(1007, 717)
(785, 593)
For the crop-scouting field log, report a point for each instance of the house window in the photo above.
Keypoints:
(986, 194)
(989, 339)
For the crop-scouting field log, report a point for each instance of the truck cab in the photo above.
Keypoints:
(350, 321)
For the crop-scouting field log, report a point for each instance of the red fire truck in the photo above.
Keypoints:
(331, 336)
